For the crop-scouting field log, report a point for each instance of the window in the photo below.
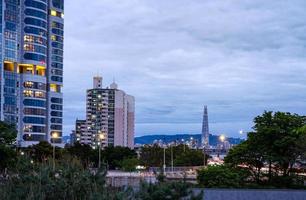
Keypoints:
(56, 107)
(57, 25)
(56, 114)
(35, 4)
(56, 127)
(57, 78)
(56, 120)
(33, 137)
(34, 120)
(36, 31)
(35, 85)
(58, 4)
(35, 22)
(56, 13)
(34, 111)
(56, 100)
(34, 103)
(36, 57)
(35, 129)
(36, 13)
(34, 48)
(34, 39)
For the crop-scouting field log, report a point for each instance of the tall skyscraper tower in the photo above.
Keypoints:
(205, 129)
(31, 68)
(109, 113)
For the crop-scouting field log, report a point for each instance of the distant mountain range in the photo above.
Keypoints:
(213, 139)
(149, 139)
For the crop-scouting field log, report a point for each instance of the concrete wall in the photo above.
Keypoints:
(236, 194)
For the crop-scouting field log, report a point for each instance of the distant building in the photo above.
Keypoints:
(205, 129)
(110, 116)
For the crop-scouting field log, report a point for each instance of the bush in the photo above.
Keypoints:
(69, 181)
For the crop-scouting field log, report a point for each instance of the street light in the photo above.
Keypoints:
(222, 139)
(101, 138)
(54, 136)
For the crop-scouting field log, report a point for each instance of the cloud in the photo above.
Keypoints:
(239, 57)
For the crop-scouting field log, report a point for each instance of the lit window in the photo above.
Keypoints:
(28, 93)
(53, 87)
(53, 13)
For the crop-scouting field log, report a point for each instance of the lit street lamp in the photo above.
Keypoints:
(53, 137)
(222, 139)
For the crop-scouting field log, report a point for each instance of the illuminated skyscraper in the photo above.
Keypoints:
(31, 68)
(109, 112)
(205, 129)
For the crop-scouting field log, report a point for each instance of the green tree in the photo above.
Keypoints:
(249, 155)
(41, 151)
(151, 156)
(276, 134)
(129, 164)
(8, 133)
(222, 176)
(190, 157)
(83, 152)
(113, 156)
(277, 143)
(7, 157)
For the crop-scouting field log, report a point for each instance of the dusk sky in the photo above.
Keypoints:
(239, 57)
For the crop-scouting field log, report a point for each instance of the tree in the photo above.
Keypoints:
(190, 157)
(247, 155)
(83, 152)
(277, 142)
(41, 151)
(7, 157)
(276, 134)
(151, 156)
(222, 176)
(113, 156)
(8, 133)
(129, 164)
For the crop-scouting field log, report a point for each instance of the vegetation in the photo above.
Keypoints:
(8, 155)
(166, 191)
(277, 143)
(222, 176)
(182, 156)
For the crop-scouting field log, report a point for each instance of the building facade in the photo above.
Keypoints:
(205, 129)
(110, 114)
(31, 68)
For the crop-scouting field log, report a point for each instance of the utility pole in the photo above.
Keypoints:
(171, 158)
(164, 159)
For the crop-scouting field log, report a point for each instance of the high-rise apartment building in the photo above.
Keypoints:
(31, 68)
(110, 114)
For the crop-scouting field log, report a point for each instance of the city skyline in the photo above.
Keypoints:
(174, 60)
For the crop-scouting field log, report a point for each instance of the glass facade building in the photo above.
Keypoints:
(31, 38)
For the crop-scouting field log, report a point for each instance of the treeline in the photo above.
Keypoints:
(273, 156)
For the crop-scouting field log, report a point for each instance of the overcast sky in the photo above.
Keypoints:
(239, 57)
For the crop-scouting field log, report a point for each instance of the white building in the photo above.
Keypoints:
(110, 116)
